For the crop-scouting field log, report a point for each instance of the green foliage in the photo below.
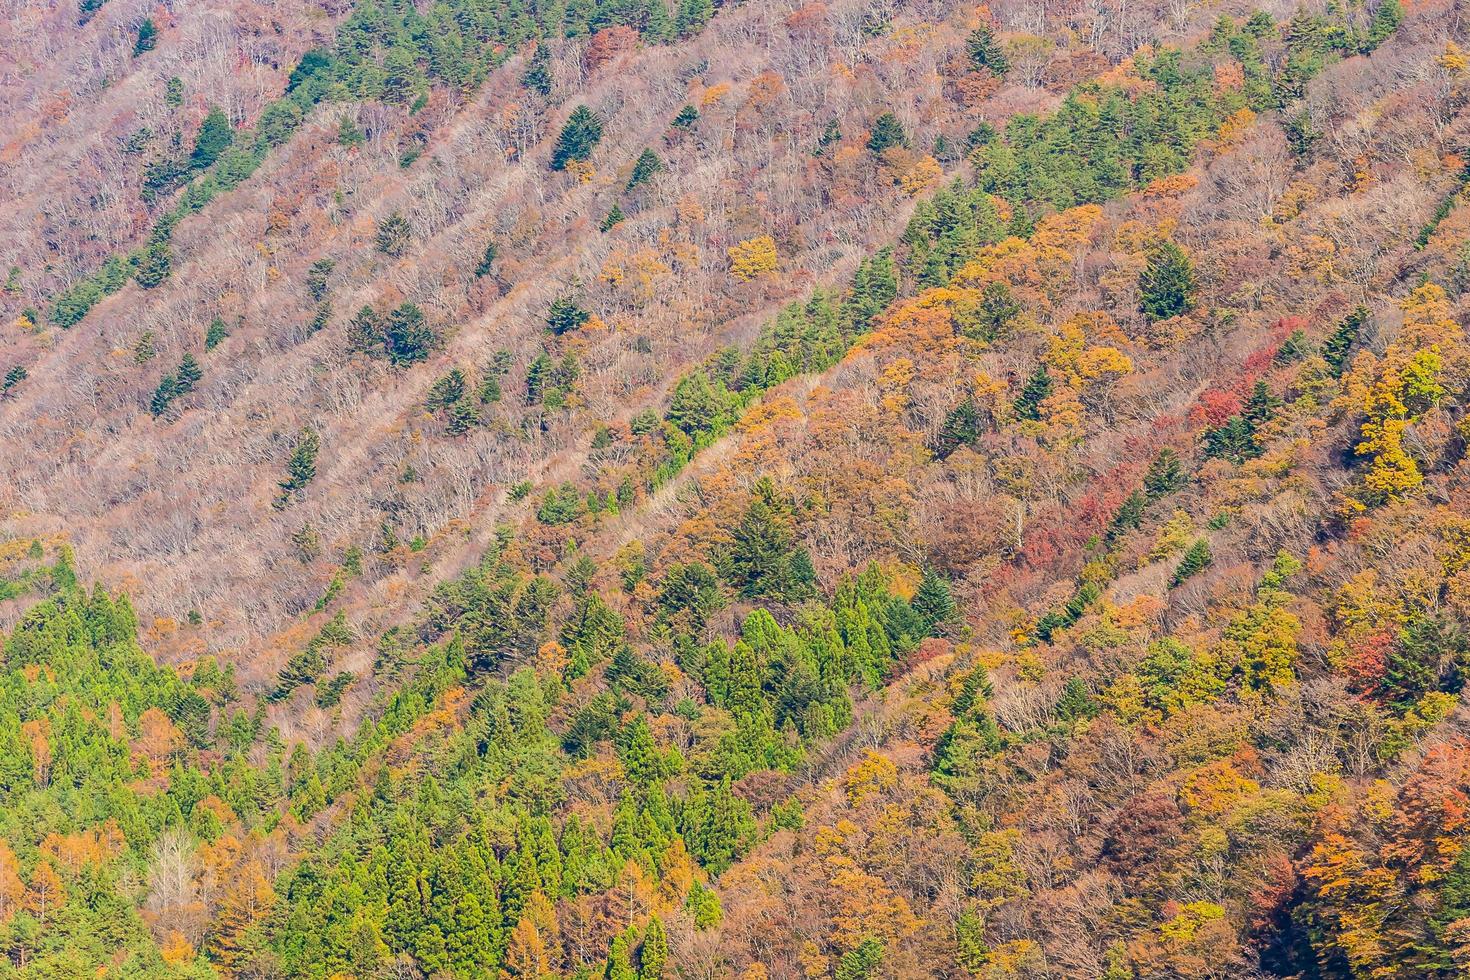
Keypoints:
(394, 235)
(565, 315)
(215, 334)
(614, 217)
(1195, 560)
(537, 76)
(301, 467)
(887, 132)
(764, 559)
(13, 377)
(645, 168)
(487, 260)
(214, 137)
(985, 52)
(1337, 347)
(1165, 475)
(1166, 287)
(1037, 389)
(176, 385)
(686, 117)
(147, 37)
(862, 962)
(578, 138)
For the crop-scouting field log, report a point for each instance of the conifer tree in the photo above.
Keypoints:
(887, 132)
(985, 52)
(214, 137)
(580, 135)
(1166, 286)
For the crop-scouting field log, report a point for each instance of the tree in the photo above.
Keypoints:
(764, 559)
(1165, 475)
(932, 599)
(692, 16)
(565, 315)
(1195, 559)
(537, 76)
(394, 235)
(214, 137)
(147, 37)
(215, 334)
(1166, 286)
(887, 133)
(1337, 347)
(407, 338)
(13, 377)
(647, 166)
(487, 260)
(753, 258)
(653, 955)
(578, 138)
(301, 467)
(985, 52)
(1036, 390)
(614, 218)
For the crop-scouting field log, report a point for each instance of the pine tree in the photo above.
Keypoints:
(687, 117)
(394, 235)
(147, 37)
(578, 138)
(1195, 560)
(645, 169)
(214, 137)
(1166, 286)
(407, 338)
(692, 16)
(1036, 390)
(565, 315)
(487, 260)
(537, 76)
(13, 377)
(932, 600)
(1165, 475)
(614, 218)
(653, 956)
(887, 132)
(301, 468)
(1128, 517)
(985, 52)
(1336, 348)
(962, 427)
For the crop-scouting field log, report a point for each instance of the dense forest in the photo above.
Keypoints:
(636, 490)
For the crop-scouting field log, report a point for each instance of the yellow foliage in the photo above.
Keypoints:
(753, 257)
(1216, 788)
(869, 776)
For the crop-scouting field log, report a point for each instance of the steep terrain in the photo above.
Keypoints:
(831, 490)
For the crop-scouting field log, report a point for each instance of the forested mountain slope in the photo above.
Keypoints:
(636, 490)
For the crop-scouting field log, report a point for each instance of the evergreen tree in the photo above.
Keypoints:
(487, 260)
(985, 52)
(653, 955)
(394, 235)
(13, 377)
(147, 37)
(1036, 390)
(578, 138)
(407, 338)
(645, 169)
(613, 219)
(1336, 348)
(763, 558)
(537, 76)
(862, 962)
(214, 137)
(887, 132)
(565, 315)
(962, 427)
(1166, 286)
(686, 117)
(1165, 475)
(1195, 560)
(693, 15)
(932, 600)
(318, 278)
(1128, 517)
(301, 467)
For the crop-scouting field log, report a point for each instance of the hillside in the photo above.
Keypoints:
(644, 490)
